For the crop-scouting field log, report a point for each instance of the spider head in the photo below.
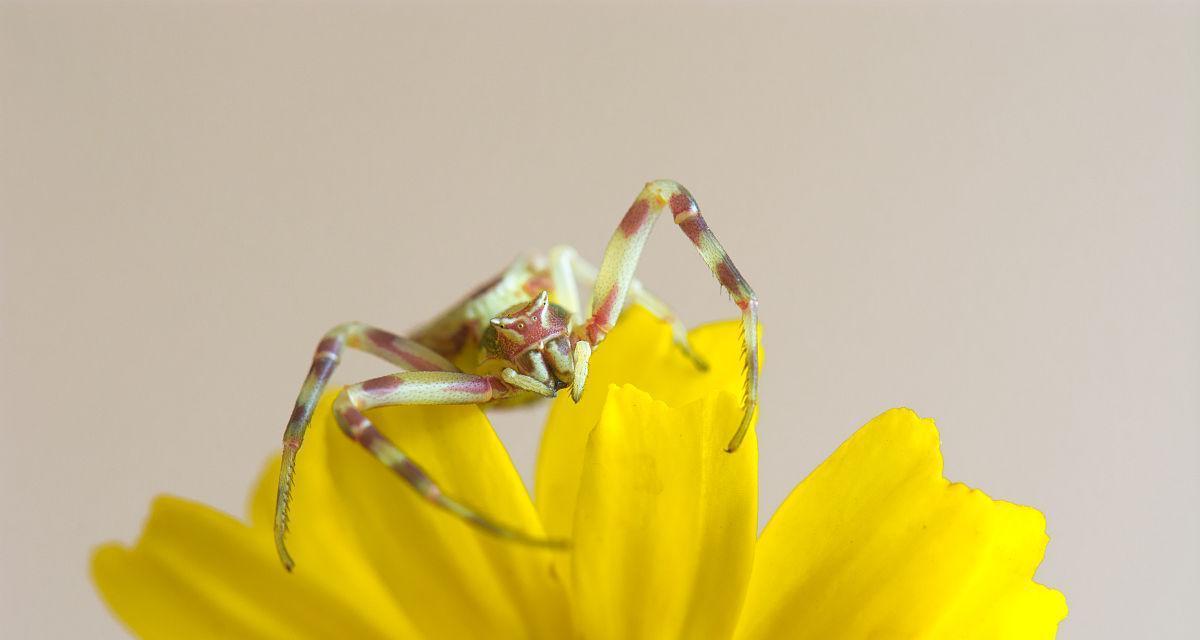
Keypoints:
(535, 339)
(523, 328)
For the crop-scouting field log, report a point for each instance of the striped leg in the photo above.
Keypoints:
(420, 387)
(397, 350)
(451, 330)
(615, 279)
(566, 265)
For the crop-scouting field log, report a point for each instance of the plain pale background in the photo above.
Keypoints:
(987, 213)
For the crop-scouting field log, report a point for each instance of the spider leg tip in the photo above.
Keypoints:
(285, 558)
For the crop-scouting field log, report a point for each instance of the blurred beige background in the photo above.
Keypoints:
(987, 213)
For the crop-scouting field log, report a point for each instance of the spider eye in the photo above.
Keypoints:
(520, 326)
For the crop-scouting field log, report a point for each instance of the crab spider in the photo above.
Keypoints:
(527, 347)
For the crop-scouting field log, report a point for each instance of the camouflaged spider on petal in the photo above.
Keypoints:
(507, 342)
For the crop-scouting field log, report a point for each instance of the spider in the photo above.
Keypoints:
(514, 345)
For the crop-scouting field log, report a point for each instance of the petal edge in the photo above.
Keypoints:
(876, 543)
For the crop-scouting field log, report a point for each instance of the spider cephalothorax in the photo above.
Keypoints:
(521, 336)
(535, 340)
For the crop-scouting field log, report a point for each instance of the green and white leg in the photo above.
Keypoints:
(567, 268)
(422, 387)
(457, 326)
(614, 281)
(397, 350)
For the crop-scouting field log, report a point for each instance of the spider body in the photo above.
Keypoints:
(521, 336)
(530, 344)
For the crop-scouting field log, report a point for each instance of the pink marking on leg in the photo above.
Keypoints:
(350, 419)
(382, 386)
(298, 412)
(538, 284)
(605, 311)
(322, 368)
(681, 203)
(387, 342)
(418, 362)
(635, 218)
(487, 386)
(601, 320)
(693, 228)
(729, 278)
(413, 474)
(382, 339)
(362, 433)
(328, 345)
(470, 386)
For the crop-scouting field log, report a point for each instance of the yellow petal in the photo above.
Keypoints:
(197, 573)
(665, 525)
(449, 579)
(639, 351)
(877, 544)
(322, 534)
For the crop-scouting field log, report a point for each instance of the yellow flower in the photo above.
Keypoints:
(873, 544)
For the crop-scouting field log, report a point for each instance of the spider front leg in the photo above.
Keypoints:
(395, 349)
(566, 265)
(421, 387)
(615, 279)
